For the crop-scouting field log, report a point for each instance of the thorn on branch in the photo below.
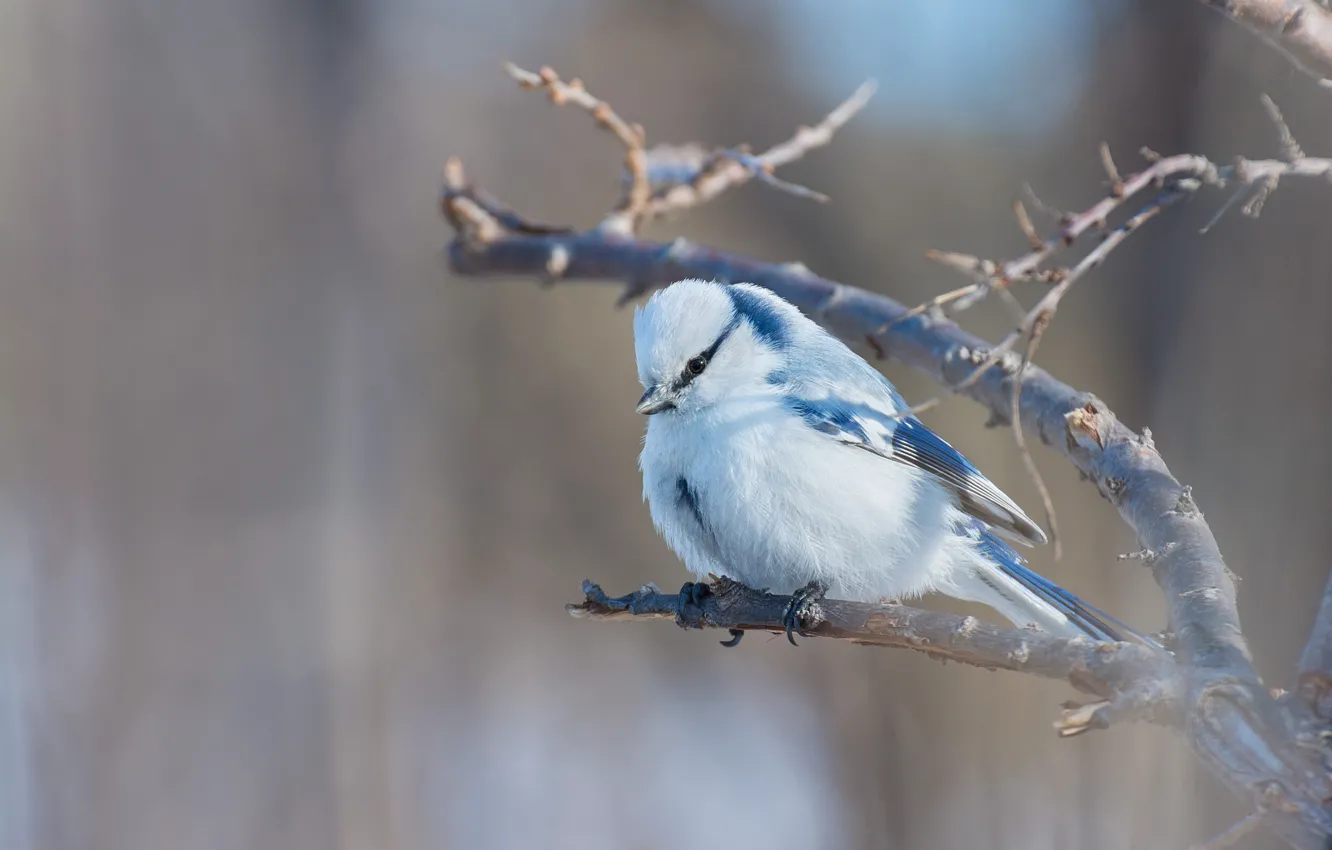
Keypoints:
(1254, 207)
(1034, 240)
(1108, 163)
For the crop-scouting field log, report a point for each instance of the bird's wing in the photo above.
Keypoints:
(870, 422)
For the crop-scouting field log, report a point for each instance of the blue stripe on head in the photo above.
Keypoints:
(769, 325)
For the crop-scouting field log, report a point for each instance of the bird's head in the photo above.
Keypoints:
(699, 343)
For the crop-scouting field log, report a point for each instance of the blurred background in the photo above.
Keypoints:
(288, 514)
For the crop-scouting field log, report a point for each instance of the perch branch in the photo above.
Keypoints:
(1232, 722)
(1301, 30)
(1133, 682)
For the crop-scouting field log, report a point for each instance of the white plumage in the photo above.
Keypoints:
(775, 456)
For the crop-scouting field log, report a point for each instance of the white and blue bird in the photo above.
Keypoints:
(777, 457)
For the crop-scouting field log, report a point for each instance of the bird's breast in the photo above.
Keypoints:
(777, 503)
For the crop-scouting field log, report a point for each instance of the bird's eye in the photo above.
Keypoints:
(697, 365)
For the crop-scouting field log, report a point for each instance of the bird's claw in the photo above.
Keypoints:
(801, 607)
(689, 610)
(692, 594)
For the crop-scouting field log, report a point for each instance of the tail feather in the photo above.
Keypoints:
(1041, 595)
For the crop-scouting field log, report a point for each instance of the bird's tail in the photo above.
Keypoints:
(1024, 596)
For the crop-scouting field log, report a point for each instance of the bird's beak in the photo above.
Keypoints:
(655, 400)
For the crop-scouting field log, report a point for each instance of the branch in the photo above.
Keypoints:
(1132, 681)
(655, 185)
(1172, 180)
(1300, 29)
(1315, 678)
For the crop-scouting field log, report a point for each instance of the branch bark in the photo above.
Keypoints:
(1300, 29)
(1132, 681)
(1315, 677)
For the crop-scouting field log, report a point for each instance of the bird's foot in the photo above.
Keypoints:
(692, 595)
(804, 608)
(689, 614)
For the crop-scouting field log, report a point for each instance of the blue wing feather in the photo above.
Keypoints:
(1090, 619)
(878, 428)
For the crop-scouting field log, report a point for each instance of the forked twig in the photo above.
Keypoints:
(629, 211)
(711, 174)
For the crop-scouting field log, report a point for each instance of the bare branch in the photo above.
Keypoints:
(730, 168)
(1137, 681)
(476, 215)
(1174, 178)
(1300, 29)
(629, 211)
(1315, 676)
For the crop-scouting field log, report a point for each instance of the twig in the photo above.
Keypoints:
(1175, 177)
(711, 175)
(1290, 149)
(474, 212)
(1301, 30)
(1108, 670)
(730, 168)
(1051, 518)
(1233, 833)
(629, 211)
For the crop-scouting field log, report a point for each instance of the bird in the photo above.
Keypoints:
(777, 457)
